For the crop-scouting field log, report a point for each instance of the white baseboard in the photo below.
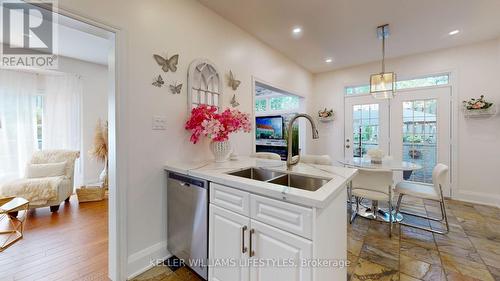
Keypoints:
(141, 261)
(477, 198)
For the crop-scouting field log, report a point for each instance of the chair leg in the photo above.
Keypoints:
(443, 215)
(398, 205)
(443, 210)
(349, 202)
(54, 209)
(390, 212)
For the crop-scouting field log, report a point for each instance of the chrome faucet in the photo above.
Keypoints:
(289, 161)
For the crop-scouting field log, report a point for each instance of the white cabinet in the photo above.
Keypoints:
(228, 238)
(286, 249)
(255, 238)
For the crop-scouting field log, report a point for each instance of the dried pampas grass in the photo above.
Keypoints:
(100, 149)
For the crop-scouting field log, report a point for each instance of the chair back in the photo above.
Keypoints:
(267, 155)
(373, 179)
(440, 177)
(316, 159)
(55, 156)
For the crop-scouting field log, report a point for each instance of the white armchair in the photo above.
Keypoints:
(49, 179)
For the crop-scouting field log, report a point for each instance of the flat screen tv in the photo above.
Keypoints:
(269, 127)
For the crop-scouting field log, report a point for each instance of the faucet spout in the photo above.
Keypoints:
(290, 161)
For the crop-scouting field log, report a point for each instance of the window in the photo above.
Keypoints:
(428, 81)
(260, 104)
(357, 90)
(277, 103)
(284, 103)
(39, 119)
(365, 119)
(420, 137)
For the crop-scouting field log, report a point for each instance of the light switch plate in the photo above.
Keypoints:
(159, 123)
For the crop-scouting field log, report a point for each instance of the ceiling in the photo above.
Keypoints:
(345, 30)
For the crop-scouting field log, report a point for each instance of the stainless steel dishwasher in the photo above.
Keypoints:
(187, 225)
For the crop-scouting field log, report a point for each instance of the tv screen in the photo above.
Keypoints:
(269, 127)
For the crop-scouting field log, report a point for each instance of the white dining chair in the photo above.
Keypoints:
(376, 185)
(267, 155)
(432, 192)
(316, 159)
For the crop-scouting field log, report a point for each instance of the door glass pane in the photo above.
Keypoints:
(420, 138)
(365, 120)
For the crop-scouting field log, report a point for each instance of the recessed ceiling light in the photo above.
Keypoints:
(454, 32)
(297, 30)
(328, 60)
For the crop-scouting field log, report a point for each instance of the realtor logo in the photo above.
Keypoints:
(28, 34)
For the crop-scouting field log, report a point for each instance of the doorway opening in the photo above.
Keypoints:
(273, 110)
(73, 110)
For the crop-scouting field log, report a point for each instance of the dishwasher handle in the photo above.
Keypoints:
(188, 181)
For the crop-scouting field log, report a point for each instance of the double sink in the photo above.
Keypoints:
(308, 183)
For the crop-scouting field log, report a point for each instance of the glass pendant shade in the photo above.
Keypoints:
(383, 85)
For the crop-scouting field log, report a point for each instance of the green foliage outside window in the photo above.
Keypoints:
(260, 105)
(284, 103)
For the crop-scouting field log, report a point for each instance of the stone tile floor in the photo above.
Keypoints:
(471, 251)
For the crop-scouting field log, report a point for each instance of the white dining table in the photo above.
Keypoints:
(387, 165)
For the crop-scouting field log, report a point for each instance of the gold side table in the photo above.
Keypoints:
(8, 207)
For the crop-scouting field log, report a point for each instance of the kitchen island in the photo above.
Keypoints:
(268, 223)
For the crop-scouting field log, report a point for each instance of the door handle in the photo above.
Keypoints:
(252, 253)
(243, 248)
(347, 146)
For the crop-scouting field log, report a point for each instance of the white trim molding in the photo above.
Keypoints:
(477, 198)
(143, 260)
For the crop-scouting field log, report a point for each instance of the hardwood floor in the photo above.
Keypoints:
(69, 245)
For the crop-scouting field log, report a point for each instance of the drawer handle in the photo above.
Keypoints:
(243, 248)
(252, 252)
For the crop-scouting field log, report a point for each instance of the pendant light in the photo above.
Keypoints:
(383, 84)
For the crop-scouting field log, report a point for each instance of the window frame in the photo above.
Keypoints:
(448, 74)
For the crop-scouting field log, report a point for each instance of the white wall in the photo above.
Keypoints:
(94, 107)
(193, 31)
(475, 71)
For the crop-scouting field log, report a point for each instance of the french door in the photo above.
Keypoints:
(414, 126)
(366, 125)
(421, 131)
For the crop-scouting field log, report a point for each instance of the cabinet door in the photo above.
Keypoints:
(269, 245)
(228, 242)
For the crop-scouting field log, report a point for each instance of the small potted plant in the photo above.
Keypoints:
(326, 115)
(478, 107)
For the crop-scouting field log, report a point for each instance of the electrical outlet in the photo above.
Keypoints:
(159, 123)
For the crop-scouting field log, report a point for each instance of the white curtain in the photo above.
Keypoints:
(17, 122)
(62, 122)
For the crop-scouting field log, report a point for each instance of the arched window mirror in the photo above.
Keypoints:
(204, 85)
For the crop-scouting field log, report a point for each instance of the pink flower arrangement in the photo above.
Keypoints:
(205, 121)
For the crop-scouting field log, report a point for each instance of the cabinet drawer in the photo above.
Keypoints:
(286, 216)
(230, 198)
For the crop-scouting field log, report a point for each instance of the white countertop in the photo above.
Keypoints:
(217, 172)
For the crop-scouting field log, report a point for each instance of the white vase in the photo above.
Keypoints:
(220, 150)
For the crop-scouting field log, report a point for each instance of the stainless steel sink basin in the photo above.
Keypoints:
(300, 182)
(257, 174)
(296, 181)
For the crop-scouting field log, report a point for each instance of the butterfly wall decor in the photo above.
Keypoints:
(175, 89)
(167, 64)
(234, 102)
(233, 83)
(158, 81)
